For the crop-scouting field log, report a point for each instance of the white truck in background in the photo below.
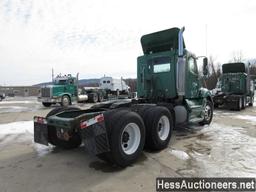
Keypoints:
(112, 85)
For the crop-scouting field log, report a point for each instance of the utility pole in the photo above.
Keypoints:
(206, 40)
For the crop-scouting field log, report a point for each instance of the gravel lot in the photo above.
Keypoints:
(225, 148)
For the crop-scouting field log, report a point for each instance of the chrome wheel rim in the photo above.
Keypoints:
(65, 101)
(163, 127)
(207, 112)
(130, 138)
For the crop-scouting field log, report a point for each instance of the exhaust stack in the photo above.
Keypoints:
(181, 42)
(181, 65)
(77, 84)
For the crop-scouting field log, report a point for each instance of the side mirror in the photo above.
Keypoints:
(205, 66)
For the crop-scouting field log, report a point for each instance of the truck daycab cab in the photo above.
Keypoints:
(168, 73)
(63, 90)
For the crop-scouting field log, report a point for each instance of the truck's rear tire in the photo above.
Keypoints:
(65, 101)
(109, 116)
(93, 97)
(159, 126)
(117, 92)
(46, 104)
(251, 101)
(244, 102)
(100, 97)
(126, 132)
(75, 140)
(239, 104)
(208, 110)
(141, 110)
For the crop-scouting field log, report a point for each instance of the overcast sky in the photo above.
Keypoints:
(100, 37)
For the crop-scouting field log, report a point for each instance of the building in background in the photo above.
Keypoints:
(23, 91)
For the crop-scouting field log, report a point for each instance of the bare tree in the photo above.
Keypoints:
(214, 73)
(252, 67)
(237, 56)
(252, 61)
(212, 66)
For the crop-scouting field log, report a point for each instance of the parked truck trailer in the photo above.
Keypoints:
(169, 94)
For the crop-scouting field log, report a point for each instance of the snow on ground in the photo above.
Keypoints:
(247, 117)
(17, 128)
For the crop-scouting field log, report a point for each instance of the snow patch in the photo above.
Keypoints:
(247, 117)
(179, 154)
(16, 102)
(17, 127)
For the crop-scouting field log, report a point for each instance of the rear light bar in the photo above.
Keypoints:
(92, 121)
(40, 120)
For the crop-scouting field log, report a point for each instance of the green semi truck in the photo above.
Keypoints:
(64, 90)
(236, 87)
(169, 94)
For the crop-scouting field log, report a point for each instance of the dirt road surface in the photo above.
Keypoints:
(225, 148)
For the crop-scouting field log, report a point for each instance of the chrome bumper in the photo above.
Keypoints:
(48, 100)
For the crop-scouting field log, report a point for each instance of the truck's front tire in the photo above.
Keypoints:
(46, 104)
(65, 101)
(74, 141)
(126, 137)
(208, 113)
(159, 127)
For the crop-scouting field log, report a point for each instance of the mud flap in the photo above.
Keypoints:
(40, 133)
(95, 138)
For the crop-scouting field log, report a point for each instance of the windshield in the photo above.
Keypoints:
(60, 82)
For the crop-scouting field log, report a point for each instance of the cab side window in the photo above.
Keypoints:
(192, 67)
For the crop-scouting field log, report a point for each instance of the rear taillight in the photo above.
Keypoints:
(40, 120)
(99, 118)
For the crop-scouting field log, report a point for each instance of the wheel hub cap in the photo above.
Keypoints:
(125, 137)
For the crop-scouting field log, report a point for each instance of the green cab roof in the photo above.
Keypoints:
(160, 41)
(234, 68)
